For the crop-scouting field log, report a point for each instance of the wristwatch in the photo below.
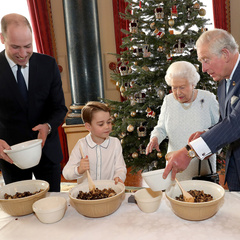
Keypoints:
(191, 152)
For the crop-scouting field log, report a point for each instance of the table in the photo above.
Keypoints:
(128, 222)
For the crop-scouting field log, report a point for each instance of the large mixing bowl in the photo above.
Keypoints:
(22, 206)
(196, 211)
(99, 207)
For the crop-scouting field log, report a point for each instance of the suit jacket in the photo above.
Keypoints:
(227, 130)
(46, 104)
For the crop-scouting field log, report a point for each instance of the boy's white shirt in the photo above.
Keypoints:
(106, 160)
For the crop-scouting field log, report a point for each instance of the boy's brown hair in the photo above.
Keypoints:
(92, 107)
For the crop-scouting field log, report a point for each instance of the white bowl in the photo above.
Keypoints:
(50, 209)
(22, 206)
(198, 210)
(155, 181)
(100, 207)
(148, 200)
(26, 154)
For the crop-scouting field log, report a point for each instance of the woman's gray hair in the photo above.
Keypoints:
(216, 40)
(182, 69)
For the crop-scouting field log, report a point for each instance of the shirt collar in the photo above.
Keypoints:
(92, 144)
(11, 62)
(235, 67)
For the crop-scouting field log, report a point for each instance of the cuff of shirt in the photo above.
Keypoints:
(201, 148)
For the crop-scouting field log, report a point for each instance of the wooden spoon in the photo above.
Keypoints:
(91, 184)
(187, 197)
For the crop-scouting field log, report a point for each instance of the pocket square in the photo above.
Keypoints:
(234, 99)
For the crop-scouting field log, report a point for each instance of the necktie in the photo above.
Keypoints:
(22, 84)
(228, 82)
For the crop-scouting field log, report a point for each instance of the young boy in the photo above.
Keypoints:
(102, 153)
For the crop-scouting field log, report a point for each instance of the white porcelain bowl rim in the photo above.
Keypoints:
(60, 205)
(153, 172)
(153, 199)
(23, 146)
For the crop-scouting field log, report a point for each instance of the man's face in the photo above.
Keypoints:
(18, 44)
(212, 64)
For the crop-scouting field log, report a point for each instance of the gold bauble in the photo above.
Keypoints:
(134, 155)
(171, 22)
(133, 114)
(202, 12)
(115, 115)
(130, 128)
(159, 154)
(122, 89)
(196, 5)
(117, 84)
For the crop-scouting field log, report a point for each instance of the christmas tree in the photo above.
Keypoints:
(160, 33)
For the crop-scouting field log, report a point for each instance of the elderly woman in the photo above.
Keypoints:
(184, 111)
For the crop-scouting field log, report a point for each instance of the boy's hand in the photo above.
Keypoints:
(117, 179)
(84, 165)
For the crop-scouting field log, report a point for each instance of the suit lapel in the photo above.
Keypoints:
(11, 82)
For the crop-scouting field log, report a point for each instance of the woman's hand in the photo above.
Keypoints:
(84, 165)
(152, 144)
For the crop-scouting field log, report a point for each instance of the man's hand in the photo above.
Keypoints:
(178, 161)
(152, 144)
(43, 130)
(195, 136)
(3, 155)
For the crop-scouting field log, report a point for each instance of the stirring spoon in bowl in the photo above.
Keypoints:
(91, 184)
(187, 197)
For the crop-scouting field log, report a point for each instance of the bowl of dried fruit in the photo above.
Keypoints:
(17, 198)
(105, 200)
(208, 199)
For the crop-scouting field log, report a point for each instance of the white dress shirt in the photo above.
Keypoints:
(106, 160)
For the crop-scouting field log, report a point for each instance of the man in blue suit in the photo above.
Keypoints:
(218, 52)
(39, 114)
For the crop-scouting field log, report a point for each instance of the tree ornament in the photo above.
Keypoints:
(130, 128)
(202, 12)
(122, 89)
(117, 84)
(137, 51)
(152, 25)
(171, 22)
(133, 114)
(174, 11)
(142, 149)
(159, 155)
(145, 68)
(133, 26)
(196, 6)
(159, 14)
(179, 47)
(158, 33)
(122, 135)
(142, 131)
(160, 94)
(135, 155)
(150, 113)
(140, 97)
(123, 69)
(146, 53)
(115, 115)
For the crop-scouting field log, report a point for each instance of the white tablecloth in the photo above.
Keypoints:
(128, 222)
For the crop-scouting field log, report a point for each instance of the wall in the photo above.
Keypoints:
(234, 11)
(107, 39)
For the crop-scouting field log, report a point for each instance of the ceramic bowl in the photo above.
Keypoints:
(148, 200)
(155, 181)
(50, 209)
(22, 206)
(26, 154)
(100, 207)
(196, 211)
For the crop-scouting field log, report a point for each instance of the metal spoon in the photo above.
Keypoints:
(91, 184)
(187, 197)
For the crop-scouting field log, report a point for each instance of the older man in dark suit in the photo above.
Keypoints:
(38, 111)
(218, 52)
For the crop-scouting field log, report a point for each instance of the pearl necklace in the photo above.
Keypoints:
(190, 104)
